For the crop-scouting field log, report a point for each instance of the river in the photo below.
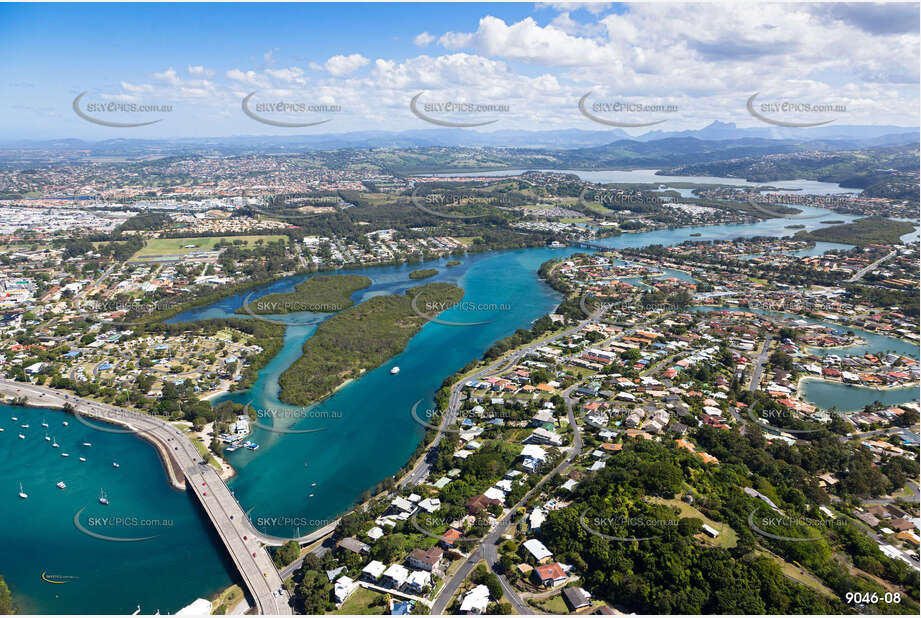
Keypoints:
(295, 481)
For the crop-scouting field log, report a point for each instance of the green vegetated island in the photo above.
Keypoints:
(423, 273)
(358, 339)
(321, 293)
(452, 263)
(866, 231)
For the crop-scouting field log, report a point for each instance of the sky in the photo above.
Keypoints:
(520, 66)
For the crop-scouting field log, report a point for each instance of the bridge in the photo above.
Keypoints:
(186, 469)
(584, 244)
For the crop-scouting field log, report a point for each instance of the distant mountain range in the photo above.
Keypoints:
(835, 137)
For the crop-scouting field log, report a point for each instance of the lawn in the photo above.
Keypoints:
(228, 599)
(183, 246)
(552, 605)
(362, 602)
(727, 538)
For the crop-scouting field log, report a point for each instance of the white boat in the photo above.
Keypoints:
(65, 423)
(65, 454)
(22, 437)
(62, 485)
(102, 497)
(54, 443)
(2, 429)
(87, 444)
(395, 371)
(44, 423)
(83, 459)
(47, 439)
(14, 418)
(115, 464)
(25, 425)
(22, 494)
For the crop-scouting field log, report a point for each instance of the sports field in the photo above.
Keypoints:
(184, 246)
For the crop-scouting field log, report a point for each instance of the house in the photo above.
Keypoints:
(475, 601)
(373, 571)
(550, 575)
(343, 589)
(395, 576)
(538, 550)
(418, 582)
(544, 436)
(425, 559)
(354, 545)
(710, 531)
(479, 503)
(577, 598)
(449, 537)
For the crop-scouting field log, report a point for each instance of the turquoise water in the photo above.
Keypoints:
(367, 435)
(39, 536)
(851, 398)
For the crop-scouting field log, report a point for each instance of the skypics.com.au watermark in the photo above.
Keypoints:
(614, 112)
(291, 415)
(430, 310)
(106, 528)
(790, 526)
(588, 308)
(111, 110)
(426, 524)
(766, 417)
(645, 528)
(275, 113)
(432, 419)
(782, 112)
(91, 308)
(441, 112)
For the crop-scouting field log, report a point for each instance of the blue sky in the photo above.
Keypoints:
(686, 64)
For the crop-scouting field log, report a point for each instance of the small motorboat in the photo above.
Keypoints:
(62, 485)
(87, 444)
(65, 454)
(22, 437)
(115, 464)
(65, 423)
(83, 459)
(395, 371)
(25, 425)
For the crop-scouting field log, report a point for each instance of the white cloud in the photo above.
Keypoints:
(249, 78)
(199, 70)
(290, 75)
(338, 66)
(423, 40)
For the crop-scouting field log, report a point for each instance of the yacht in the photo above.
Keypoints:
(14, 418)
(83, 459)
(2, 429)
(54, 443)
(22, 437)
(62, 485)
(65, 454)
(44, 422)
(115, 464)
(25, 425)
(395, 371)
(22, 494)
(65, 423)
(102, 497)
(47, 439)
(87, 444)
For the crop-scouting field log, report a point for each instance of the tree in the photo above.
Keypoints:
(6, 598)
(286, 554)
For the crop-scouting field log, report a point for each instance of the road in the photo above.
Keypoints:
(424, 464)
(488, 547)
(759, 362)
(244, 543)
(860, 273)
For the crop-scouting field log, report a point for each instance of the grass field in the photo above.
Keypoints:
(183, 246)
(552, 605)
(727, 538)
(362, 603)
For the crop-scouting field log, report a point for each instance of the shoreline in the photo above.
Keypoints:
(809, 378)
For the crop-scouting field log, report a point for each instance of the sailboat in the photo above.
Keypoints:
(54, 443)
(22, 494)
(102, 497)
(47, 439)
(44, 423)
(22, 437)
(65, 454)
(83, 459)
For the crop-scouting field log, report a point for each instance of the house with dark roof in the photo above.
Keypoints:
(577, 598)
(425, 559)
